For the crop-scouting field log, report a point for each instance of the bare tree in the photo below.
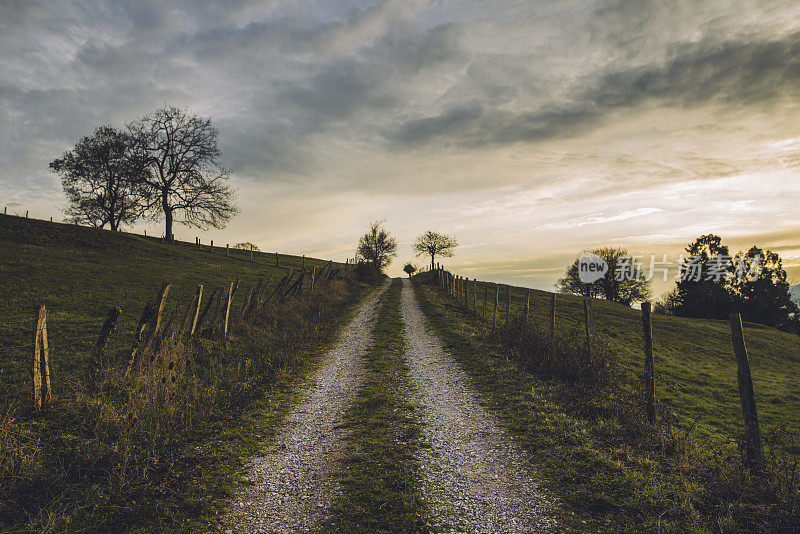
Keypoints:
(435, 244)
(100, 178)
(186, 182)
(377, 247)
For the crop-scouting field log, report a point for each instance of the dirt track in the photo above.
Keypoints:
(294, 482)
(476, 477)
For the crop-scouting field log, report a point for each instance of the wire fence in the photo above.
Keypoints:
(27, 351)
(694, 394)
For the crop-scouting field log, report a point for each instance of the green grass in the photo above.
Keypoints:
(380, 487)
(79, 273)
(611, 471)
(695, 366)
(140, 455)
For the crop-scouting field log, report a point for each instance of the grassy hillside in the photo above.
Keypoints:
(583, 422)
(694, 362)
(79, 273)
(158, 449)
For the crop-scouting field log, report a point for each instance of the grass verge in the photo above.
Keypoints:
(380, 486)
(611, 472)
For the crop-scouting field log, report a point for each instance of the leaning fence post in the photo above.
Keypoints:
(227, 311)
(752, 431)
(587, 314)
(100, 347)
(649, 380)
(47, 392)
(162, 302)
(552, 315)
(37, 359)
(198, 298)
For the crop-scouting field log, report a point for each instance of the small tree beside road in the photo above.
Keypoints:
(377, 246)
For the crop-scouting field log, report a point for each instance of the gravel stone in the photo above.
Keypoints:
(294, 480)
(476, 478)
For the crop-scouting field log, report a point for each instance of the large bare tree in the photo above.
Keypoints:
(101, 178)
(435, 244)
(186, 182)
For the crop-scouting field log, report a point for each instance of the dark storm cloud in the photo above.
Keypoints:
(734, 72)
(293, 84)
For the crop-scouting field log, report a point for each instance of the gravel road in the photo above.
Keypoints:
(476, 479)
(293, 482)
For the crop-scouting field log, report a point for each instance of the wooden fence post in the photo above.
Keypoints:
(98, 353)
(206, 308)
(42, 394)
(198, 297)
(508, 302)
(228, 309)
(211, 246)
(313, 279)
(552, 315)
(485, 298)
(649, 372)
(251, 252)
(36, 372)
(496, 304)
(475, 295)
(525, 312)
(277, 261)
(162, 302)
(752, 430)
(587, 315)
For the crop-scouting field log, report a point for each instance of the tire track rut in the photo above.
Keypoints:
(294, 482)
(476, 478)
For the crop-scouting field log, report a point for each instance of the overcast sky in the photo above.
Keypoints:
(528, 130)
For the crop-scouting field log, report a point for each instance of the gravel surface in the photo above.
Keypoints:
(293, 482)
(476, 478)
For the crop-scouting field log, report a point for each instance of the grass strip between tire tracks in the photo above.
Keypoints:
(380, 484)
